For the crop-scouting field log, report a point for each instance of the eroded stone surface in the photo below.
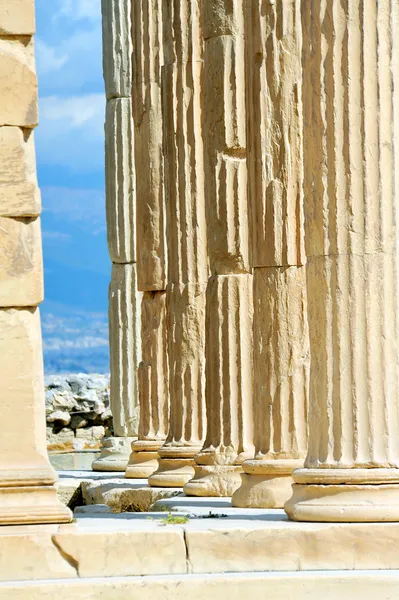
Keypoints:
(18, 83)
(122, 496)
(17, 17)
(19, 193)
(21, 277)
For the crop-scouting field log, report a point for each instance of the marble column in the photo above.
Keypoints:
(153, 387)
(351, 102)
(229, 364)
(27, 492)
(280, 332)
(151, 256)
(121, 212)
(186, 235)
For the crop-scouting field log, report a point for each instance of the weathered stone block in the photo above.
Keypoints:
(153, 369)
(275, 131)
(150, 200)
(225, 161)
(21, 276)
(19, 192)
(22, 458)
(182, 39)
(124, 351)
(120, 184)
(148, 143)
(186, 306)
(281, 362)
(184, 174)
(117, 42)
(17, 17)
(18, 83)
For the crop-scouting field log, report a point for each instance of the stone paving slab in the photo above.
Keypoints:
(366, 585)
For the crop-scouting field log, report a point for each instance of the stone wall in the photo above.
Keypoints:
(78, 413)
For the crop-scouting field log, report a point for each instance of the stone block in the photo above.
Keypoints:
(147, 38)
(224, 121)
(122, 496)
(21, 268)
(153, 369)
(275, 132)
(19, 192)
(281, 362)
(229, 375)
(184, 174)
(182, 41)
(28, 552)
(17, 17)
(23, 457)
(117, 40)
(150, 199)
(124, 350)
(120, 184)
(186, 309)
(18, 83)
(124, 552)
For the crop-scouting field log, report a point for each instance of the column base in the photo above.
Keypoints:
(32, 505)
(143, 460)
(115, 453)
(345, 495)
(214, 480)
(265, 483)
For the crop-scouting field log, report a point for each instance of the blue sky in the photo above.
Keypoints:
(70, 144)
(69, 141)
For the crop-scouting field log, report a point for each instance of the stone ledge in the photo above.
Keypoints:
(366, 585)
(131, 544)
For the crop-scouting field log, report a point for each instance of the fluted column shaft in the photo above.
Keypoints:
(148, 57)
(186, 236)
(351, 103)
(121, 232)
(281, 340)
(229, 291)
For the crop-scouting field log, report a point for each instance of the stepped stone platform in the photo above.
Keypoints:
(201, 548)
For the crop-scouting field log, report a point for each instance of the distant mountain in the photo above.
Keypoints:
(76, 274)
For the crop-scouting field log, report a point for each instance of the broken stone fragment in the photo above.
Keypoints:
(59, 416)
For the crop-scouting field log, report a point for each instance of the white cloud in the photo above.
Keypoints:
(71, 132)
(79, 9)
(56, 235)
(48, 59)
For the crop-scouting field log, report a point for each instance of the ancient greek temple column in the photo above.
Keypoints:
(27, 493)
(229, 306)
(351, 103)
(151, 256)
(280, 331)
(186, 235)
(121, 213)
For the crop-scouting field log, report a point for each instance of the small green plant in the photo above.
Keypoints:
(174, 520)
(171, 520)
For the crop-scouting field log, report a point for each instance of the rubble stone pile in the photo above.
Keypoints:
(78, 413)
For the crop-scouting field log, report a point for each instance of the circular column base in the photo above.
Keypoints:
(345, 495)
(115, 452)
(214, 480)
(143, 460)
(265, 483)
(172, 472)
